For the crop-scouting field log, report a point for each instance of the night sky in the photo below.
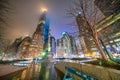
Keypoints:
(27, 12)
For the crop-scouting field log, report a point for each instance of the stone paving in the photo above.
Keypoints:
(8, 69)
(99, 72)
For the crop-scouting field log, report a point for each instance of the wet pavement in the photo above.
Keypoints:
(35, 71)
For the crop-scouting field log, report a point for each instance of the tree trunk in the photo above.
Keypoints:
(115, 43)
(84, 48)
(106, 49)
(100, 49)
(2, 56)
(108, 40)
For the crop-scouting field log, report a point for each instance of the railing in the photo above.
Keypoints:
(72, 72)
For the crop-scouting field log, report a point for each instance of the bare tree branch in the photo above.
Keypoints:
(87, 20)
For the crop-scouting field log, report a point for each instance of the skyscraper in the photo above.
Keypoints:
(66, 46)
(108, 7)
(36, 46)
(40, 36)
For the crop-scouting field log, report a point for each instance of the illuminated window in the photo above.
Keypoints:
(30, 49)
(117, 40)
(24, 47)
(31, 45)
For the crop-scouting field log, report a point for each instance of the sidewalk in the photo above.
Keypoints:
(8, 69)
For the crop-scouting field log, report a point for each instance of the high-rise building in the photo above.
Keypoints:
(24, 48)
(36, 46)
(66, 46)
(33, 47)
(108, 7)
(59, 46)
(109, 27)
(51, 46)
(40, 37)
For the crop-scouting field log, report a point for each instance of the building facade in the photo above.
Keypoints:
(36, 46)
(110, 25)
(51, 46)
(24, 48)
(40, 37)
(66, 46)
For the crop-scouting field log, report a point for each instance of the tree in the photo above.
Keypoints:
(4, 47)
(5, 10)
(88, 17)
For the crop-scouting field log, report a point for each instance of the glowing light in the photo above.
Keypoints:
(26, 35)
(108, 21)
(79, 12)
(118, 33)
(47, 75)
(63, 33)
(44, 10)
(49, 48)
(43, 53)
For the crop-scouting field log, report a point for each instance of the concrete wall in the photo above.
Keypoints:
(101, 73)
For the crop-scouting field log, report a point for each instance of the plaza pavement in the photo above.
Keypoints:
(8, 69)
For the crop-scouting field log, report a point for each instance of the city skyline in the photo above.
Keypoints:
(24, 21)
(59, 40)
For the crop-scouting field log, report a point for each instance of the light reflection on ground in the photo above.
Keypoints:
(35, 71)
(39, 70)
